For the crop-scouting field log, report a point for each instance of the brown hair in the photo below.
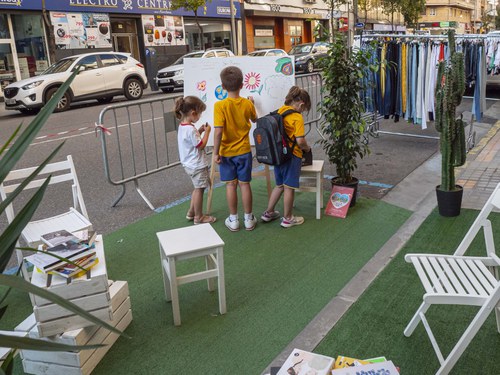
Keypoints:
(231, 78)
(296, 94)
(190, 103)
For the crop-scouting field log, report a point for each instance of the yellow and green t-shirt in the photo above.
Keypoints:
(294, 127)
(233, 115)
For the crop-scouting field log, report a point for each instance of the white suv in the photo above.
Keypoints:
(172, 77)
(102, 76)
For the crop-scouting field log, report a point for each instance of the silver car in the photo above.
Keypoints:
(172, 77)
(102, 76)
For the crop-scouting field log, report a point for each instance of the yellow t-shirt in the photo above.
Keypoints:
(294, 127)
(233, 115)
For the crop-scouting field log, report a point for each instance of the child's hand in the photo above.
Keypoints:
(250, 97)
(207, 128)
(217, 159)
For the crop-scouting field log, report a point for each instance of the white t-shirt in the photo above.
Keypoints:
(189, 140)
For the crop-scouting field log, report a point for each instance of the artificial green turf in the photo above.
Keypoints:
(374, 325)
(277, 280)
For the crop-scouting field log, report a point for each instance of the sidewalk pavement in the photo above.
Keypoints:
(479, 176)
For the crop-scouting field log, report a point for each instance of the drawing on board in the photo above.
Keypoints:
(267, 79)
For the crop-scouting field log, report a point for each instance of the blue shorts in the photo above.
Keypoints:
(236, 168)
(288, 174)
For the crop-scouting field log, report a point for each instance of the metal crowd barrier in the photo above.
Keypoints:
(139, 138)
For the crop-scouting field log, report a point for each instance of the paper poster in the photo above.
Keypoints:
(266, 79)
(160, 30)
(81, 30)
(339, 201)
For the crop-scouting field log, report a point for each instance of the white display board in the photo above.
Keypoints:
(266, 79)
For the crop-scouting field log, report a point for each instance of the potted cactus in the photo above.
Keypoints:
(449, 92)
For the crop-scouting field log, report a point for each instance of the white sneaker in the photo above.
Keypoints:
(250, 223)
(293, 221)
(233, 226)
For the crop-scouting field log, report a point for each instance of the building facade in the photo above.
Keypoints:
(32, 36)
(465, 16)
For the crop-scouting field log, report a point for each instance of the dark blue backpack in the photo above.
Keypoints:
(272, 144)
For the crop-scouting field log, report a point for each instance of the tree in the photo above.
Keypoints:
(390, 7)
(411, 11)
(364, 5)
(193, 6)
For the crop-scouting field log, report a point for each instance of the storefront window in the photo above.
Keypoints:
(7, 70)
(264, 37)
(30, 44)
(216, 34)
(4, 27)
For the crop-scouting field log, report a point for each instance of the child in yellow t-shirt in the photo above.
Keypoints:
(232, 151)
(287, 175)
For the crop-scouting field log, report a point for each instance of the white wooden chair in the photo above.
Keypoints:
(460, 280)
(75, 219)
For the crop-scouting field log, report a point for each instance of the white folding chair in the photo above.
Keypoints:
(460, 280)
(75, 219)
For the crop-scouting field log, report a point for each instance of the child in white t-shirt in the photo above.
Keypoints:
(191, 145)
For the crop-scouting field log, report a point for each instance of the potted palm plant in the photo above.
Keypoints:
(345, 74)
(449, 92)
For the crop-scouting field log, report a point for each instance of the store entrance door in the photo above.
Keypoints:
(126, 43)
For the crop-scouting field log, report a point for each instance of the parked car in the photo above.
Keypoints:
(102, 76)
(268, 52)
(306, 55)
(172, 77)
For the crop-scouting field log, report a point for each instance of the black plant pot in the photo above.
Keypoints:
(449, 202)
(353, 184)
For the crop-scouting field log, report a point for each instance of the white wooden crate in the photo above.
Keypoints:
(82, 362)
(77, 359)
(34, 367)
(79, 287)
(118, 291)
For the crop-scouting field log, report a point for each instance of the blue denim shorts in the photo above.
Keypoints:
(236, 168)
(288, 174)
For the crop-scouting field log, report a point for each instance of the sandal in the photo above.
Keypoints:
(189, 218)
(206, 220)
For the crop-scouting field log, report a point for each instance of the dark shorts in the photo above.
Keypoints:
(288, 174)
(236, 168)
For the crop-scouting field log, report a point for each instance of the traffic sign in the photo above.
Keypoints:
(360, 25)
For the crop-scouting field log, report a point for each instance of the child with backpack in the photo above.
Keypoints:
(191, 145)
(287, 174)
(232, 151)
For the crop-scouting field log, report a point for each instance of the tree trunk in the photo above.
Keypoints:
(202, 46)
(51, 42)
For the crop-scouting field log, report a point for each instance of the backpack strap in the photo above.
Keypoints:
(284, 114)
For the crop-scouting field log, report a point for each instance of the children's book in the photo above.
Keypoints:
(58, 237)
(76, 272)
(339, 201)
(342, 362)
(379, 368)
(47, 262)
(300, 362)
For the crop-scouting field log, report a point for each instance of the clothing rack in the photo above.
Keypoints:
(373, 128)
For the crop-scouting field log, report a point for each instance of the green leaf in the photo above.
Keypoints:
(14, 153)
(23, 285)
(25, 343)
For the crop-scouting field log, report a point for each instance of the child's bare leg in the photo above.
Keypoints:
(232, 197)
(274, 198)
(197, 203)
(246, 197)
(191, 212)
(288, 202)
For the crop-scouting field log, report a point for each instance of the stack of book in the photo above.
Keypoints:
(66, 254)
(301, 362)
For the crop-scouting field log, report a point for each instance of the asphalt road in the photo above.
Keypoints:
(392, 158)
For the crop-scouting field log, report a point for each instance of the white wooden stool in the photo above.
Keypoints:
(314, 173)
(186, 243)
